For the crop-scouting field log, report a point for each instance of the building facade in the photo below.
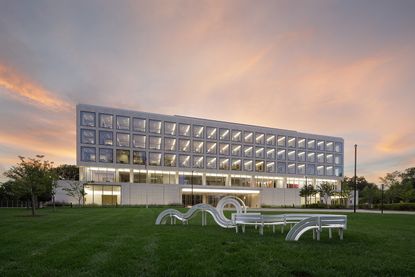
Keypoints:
(138, 158)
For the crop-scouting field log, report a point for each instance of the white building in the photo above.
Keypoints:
(129, 158)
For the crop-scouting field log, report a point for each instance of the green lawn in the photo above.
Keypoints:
(125, 241)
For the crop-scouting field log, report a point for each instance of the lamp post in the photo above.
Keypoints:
(381, 203)
(355, 178)
(191, 181)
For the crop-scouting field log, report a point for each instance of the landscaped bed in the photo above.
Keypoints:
(125, 241)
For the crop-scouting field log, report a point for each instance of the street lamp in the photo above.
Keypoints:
(381, 203)
(355, 178)
(191, 181)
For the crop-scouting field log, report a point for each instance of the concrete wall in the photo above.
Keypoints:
(280, 197)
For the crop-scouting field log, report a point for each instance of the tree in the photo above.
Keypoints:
(307, 191)
(344, 192)
(76, 190)
(326, 189)
(67, 172)
(31, 176)
(370, 194)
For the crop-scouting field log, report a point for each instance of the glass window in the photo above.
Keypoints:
(270, 153)
(338, 171)
(224, 134)
(301, 143)
(123, 122)
(311, 157)
(211, 133)
(105, 138)
(281, 167)
(259, 166)
(320, 170)
(106, 155)
(329, 158)
(291, 142)
(338, 159)
(139, 157)
(236, 135)
(170, 128)
(291, 155)
(154, 126)
(329, 170)
(170, 160)
(259, 152)
(106, 121)
(211, 147)
(281, 141)
(291, 168)
(236, 150)
(198, 131)
(338, 147)
(184, 145)
(270, 167)
(197, 146)
(214, 180)
(139, 125)
(248, 137)
(259, 138)
(154, 159)
(211, 163)
(198, 162)
(184, 161)
(123, 140)
(301, 156)
(311, 144)
(88, 154)
(124, 177)
(311, 169)
(154, 143)
(88, 119)
(329, 146)
(281, 154)
(236, 164)
(248, 151)
(122, 156)
(87, 136)
(184, 130)
(301, 169)
(169, 144)
(320, 145)
(224, 149)
(140, 177)
(270, 139)
(139, 141)
(248, 165)
(320, 158)
(224, 163)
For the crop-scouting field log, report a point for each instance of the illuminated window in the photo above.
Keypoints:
(122, 156)
(123, 122)
(248, 151)
(105, 138)
(291, 155)
(259, 152)
(123, 140)
(338, 147)
(301, 156)
(169, 144)
(248, 137)
(88, 154)
(329, 158)
(139, 141)
(281, 154)
(301, 169)
(224, 149)
(320, 145)
(154, 126)
(329, 146)
(224, 134)
(311, 144)
(270, 153)
(211, 133)
(184, 161)
(198, 162)
(88, 119)
(170, 128)
(139, 125)
(236, 135)
(198, 146)
(211, 147)
(281, 167)
(224, 163)
(198, 131)
(154, 159)
(311, 157)
(320, 170)
(154, 143)
(270, 167)
(184, 145)
(320, 158)
(301, 143)
(236, 150)
(236, 164)
(184, 130)
(211, 163)
(270, 140)
(170, 160)
(248, 165)
(106, 121)
(106, 155)
(291, 168)
(329, 170)
(87, 136)
(291, 142)
(259, 138)
(259, 166)
(281, 141)
(139, 157)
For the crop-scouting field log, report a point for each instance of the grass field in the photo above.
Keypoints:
(125, 241)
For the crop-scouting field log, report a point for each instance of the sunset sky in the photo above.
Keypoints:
(340, 68)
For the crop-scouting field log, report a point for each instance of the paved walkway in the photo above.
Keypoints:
(327, 210)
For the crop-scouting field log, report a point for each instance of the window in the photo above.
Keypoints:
(123, 122)
(270, 153)
(224, 149)
(211, 147)
(154, 159)
(105, 138)
(291, 155)
(281, 167)
(224, 134)
(338, 171)
(87, 136)
(139, 125)
(338, 159)
(301, 143)
(281, 154)
(123, 140)
(320, 170)
(211, 133)
(88, 154)
(311, 157)
(184, 145)
(329, 146)
(198, 162)
(281, 141)
(338, 146)
(259, 166)
(320, 158)
(186, 178)
(106, 121)
(124, 177)
(139, 141)
(291, 168)
(211, 163)
(329, 158)
(106, 155)
(198, 131)
(184, 161)
(197, 146)
(236, 164)
(154, 143)
(184, 130)
(140, 177)
(291, 142)
(259, 138)
(215, 180)
(311, 144)
(169, 144)
(224, 163)
(248, 151)
(320, 145)
(139, 157)
(170, 128)
(270, 140)
(236, 150)
(270, 167)
(259, 152)
(170, 160)
(236, 135)
(88, 119)
(122, 156)
(329, 170)
(311, 169)
(248, 165)
(301, 169)
(154, 126)
(301, 156)
(248, 137)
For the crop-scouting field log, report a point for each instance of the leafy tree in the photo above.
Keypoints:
(344, 192)
(67, 172)
(391, 179)
(326, 189)
(76, 190)
(371, 194)
(31, 176)
(408, 177)
(307, 191)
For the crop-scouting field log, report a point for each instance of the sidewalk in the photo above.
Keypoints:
(327, 210)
